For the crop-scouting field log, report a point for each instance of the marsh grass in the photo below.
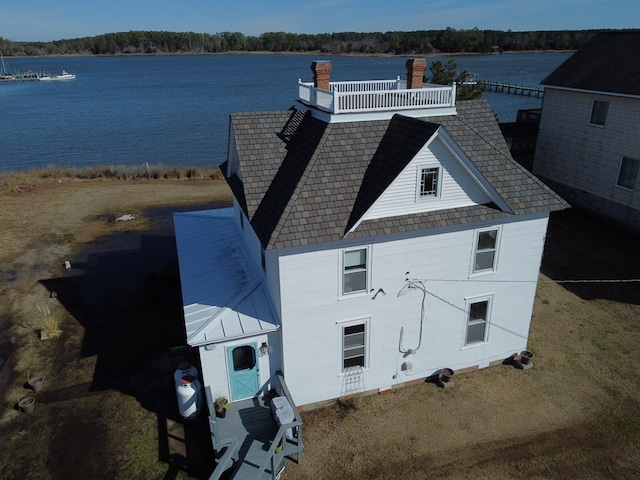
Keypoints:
(30, 178)
(48, 325)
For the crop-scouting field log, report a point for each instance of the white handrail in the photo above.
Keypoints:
(378, 95)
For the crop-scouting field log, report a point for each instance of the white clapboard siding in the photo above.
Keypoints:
(313, 312)
(215, 372)
(458, 188)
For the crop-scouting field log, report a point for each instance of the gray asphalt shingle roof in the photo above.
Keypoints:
(305, 181)
(609, 62)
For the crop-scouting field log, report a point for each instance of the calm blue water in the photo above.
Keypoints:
(174, 110)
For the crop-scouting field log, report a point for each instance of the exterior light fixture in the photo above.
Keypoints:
(264, 349)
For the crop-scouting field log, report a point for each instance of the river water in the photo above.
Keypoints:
(174, 110)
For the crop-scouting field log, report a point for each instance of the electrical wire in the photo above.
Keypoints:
(629, 280)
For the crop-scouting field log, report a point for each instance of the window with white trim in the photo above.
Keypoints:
(486, 251)
(354, 276)
(628, 173)
(354, 345)
(599, 110)
(429, 181)
(477, 320)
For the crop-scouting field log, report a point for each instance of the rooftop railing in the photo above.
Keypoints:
(375, 96)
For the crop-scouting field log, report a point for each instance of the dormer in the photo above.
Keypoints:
(337, 102)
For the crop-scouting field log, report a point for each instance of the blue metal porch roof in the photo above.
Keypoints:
(223, 293)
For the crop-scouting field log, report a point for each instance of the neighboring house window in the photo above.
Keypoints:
(354, 339)
(486, 252)
(354, 278)
(599, 111)
(477, 321)
(429, 181)
(628, 173)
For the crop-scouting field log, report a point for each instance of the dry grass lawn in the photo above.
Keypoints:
(576, 414)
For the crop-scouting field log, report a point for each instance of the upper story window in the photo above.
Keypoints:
(355, 268)
(486, 251)
(429, 181)
(628, 173)
(599, 111)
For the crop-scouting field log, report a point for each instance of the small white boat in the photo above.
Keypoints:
(63, 76)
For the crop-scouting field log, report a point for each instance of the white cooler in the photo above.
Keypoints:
(283, 413)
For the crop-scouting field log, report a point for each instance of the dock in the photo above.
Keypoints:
(7, 76)
(27, 76)
(512, 89)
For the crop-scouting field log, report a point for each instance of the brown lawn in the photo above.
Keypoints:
(100, 414)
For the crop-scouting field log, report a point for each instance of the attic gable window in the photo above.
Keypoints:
(628, 173)
(599, 111)
(429, 179)
(354, 264)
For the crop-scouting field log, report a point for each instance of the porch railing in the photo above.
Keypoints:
(288, 446)
(375, 96)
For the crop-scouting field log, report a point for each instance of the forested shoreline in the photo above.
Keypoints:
(424, 42)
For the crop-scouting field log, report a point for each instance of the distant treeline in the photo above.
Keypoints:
(423, 42)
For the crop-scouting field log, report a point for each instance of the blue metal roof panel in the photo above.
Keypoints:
(223, 295)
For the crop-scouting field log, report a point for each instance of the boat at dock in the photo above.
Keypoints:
(4, 73)
(63, 76)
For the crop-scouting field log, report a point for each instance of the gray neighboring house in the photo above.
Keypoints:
(588, 147)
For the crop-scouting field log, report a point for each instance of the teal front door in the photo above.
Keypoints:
(244, 375)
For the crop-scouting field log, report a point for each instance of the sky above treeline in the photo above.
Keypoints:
(46, 20)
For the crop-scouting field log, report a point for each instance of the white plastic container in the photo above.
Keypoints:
(188, 392)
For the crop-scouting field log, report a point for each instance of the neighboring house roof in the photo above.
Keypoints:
(609, 62)
(223, 293)
(305, 181)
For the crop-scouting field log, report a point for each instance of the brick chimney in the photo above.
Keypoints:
(415, 72)
(321, 70)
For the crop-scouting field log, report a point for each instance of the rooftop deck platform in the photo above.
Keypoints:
(378, 96)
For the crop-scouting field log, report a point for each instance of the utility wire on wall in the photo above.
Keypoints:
(415, 284)
(409, 286)
(623, 280)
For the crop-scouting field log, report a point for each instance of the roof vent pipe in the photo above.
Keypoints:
(415, 72)
(321, 70)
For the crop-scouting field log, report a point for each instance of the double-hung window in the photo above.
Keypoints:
(628, 173)
(354, 345)
(477, 321)
(354, 277)
(599, 111)
(486, 251)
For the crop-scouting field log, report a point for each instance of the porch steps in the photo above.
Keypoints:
(253, 420)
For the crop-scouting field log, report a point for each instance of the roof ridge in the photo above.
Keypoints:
(515, 164)
(293, 198)
(299, 183)
(498, 150)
